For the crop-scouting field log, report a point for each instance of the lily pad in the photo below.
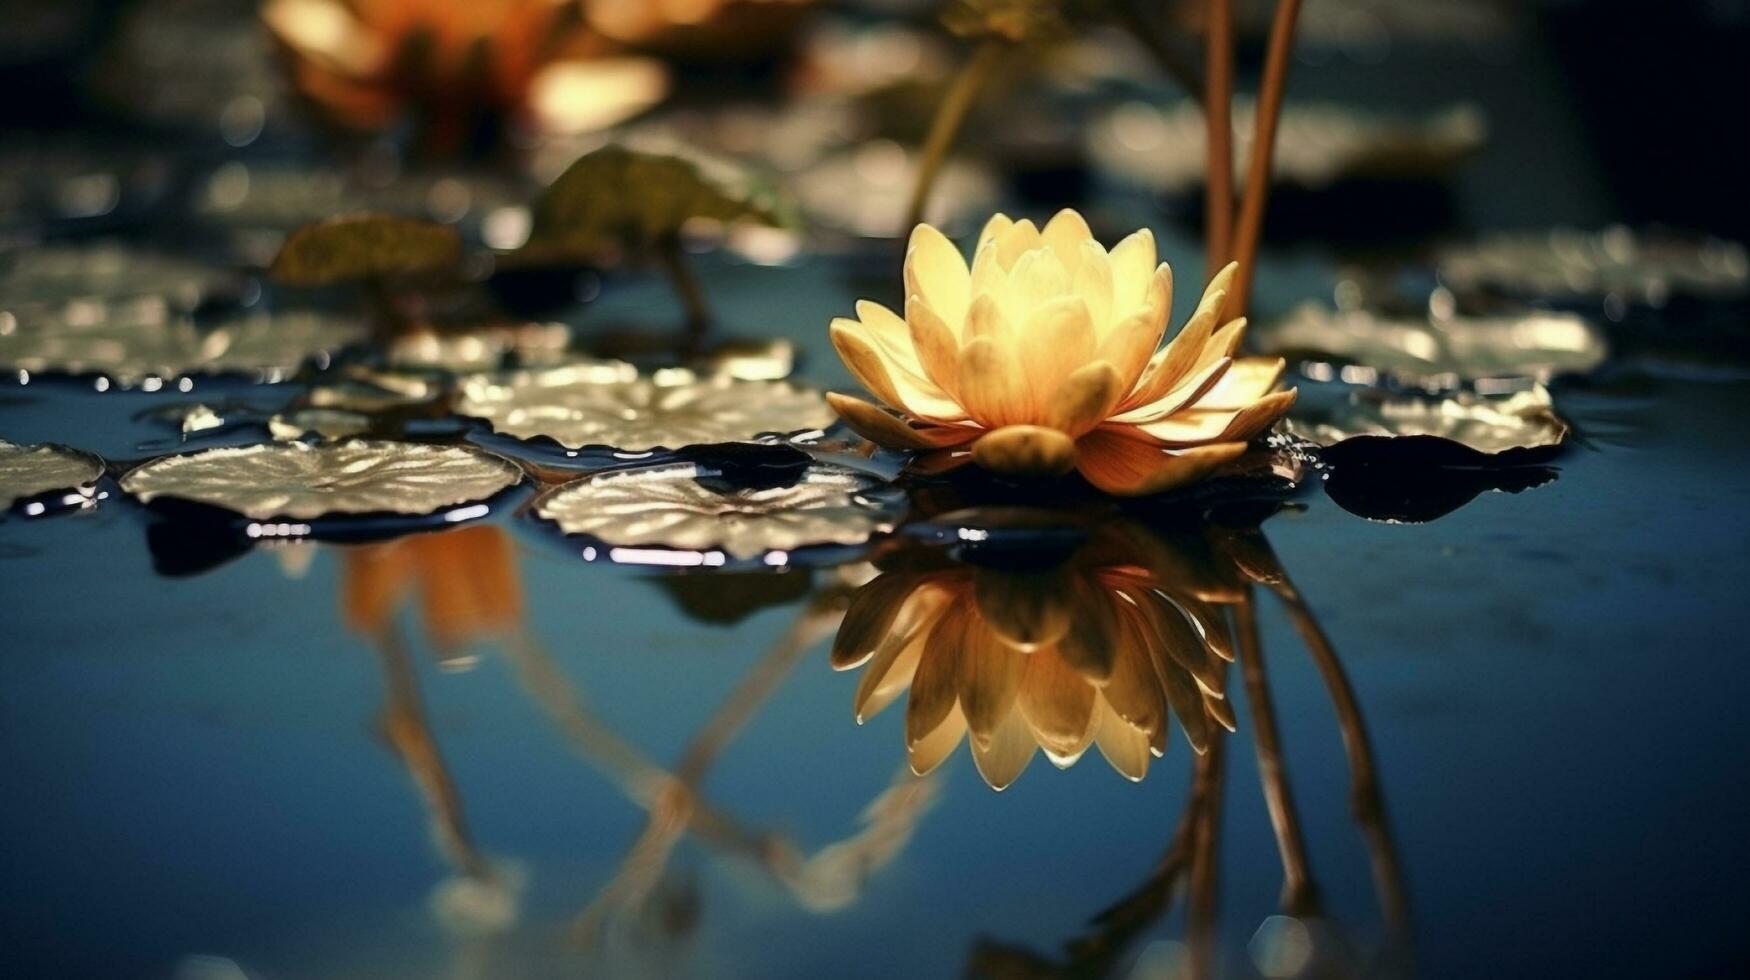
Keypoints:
(1317, 144)
(1435, 353)
(30, 472)
(1520, 422)
(486, 348)
(1417, 479)
(359, 247)
(1646, 268)
(1012, 20)
(695, 513)
(142, 344)
(300, 482)
(617, 198)
(606, 404)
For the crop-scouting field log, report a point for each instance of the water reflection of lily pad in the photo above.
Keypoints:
(485, 348)
(690, 513)
(300, 481)
(1433, 353)
(1316, 145)
(1517, 422)
(29, 472)
(1616, 262)
(607, 404)
(137, 344)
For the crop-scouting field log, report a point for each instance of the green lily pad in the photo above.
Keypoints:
(618, 199)
(358, 247)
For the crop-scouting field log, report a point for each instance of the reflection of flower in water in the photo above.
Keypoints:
(1094, 650)
(1041, 358)
(465, 582)
(366, 64)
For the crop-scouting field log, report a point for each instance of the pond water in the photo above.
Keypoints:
(1504, 742)
(235, 770)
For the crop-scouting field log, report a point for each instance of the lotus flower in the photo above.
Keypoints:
(1095, 651)
(454, 66)
(1042, 358)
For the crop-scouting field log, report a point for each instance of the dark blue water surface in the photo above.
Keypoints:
(217, 775)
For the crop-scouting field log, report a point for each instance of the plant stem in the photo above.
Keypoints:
(1297, 885)
(1269, 112)
(674, 262)
(973, 77)
(1218, 205)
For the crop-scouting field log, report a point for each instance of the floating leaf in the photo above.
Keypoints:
(1635, 267)
(1416, 479)
(1515, 422)
(1316, 144)
(27, 472)
(1432, 352)
(608, 404)
(300, 481)
(359, 247)
(484, 348)
(142, 344)
(616, 199)
(704, 509)
(324, 423)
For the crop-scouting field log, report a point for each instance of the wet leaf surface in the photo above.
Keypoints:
(75, 282)
(1363, 347)
(32, 471)
(696, 508)
(299, 481)
(134, 344)
(606, 404)
(1521, 422)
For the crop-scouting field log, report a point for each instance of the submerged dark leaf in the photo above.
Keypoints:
(359, 247)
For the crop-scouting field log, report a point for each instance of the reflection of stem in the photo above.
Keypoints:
(1364, 793)
(1297, 885)
(950, 114)
(1270, 95)
(1165, 57)
(1200, 912)
(674, 262)
(1218, 216)
(405, 727)
(670, 818)
(387, 322)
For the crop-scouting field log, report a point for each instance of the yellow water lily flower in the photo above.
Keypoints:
(1045, 356)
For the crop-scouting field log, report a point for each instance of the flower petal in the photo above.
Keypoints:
(1091, 644)
(869, 620)
(937, 349)
(1027, 610)
(884, 429)
(989, 279)
(934, 688)
(1125, 747)
(1133, 262)
(1197, 426)
(892, 335)
(1129, 467)
(1017, 240)
(1189, 350)
(1128, 345)
(887, 380)
(935, 270)
(1037, 279)
(934, 748)
(1084, 399)
(1064, 234)
(1092, 281)
(1249, 379)
(1025, 450)
(1194, 388)
(991, 385)
(993, 230)
(890, 670)
(1055, 340)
